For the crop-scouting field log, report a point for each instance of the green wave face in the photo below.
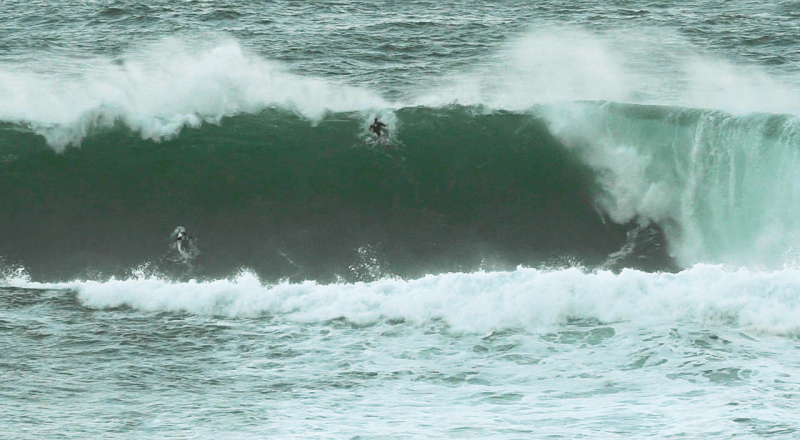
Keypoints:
(451, 189)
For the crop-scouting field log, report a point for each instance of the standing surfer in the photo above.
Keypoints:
(377, 127)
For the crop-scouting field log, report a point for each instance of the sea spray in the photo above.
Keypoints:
(701, 175)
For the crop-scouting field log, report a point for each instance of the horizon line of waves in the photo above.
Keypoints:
(526, 298)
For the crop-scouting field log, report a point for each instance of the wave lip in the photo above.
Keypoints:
(182, 81)
(163, 88)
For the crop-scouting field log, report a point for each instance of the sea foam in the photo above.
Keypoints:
(526, 298)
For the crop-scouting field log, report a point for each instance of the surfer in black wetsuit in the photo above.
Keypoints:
(377, 127)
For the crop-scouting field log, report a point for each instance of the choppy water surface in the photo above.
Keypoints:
(495, 355)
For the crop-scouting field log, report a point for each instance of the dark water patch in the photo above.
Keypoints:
(766, 428)
(728, 376)
(360, 375)
(467, 377)
(645, 358)
(520, 359)
(591, 337)
(113, 11)
(220, 14)
(608, 388)
(11, 298)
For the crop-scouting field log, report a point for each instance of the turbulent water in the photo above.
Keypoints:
(582, 222)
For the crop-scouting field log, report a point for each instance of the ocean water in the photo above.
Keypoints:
(582, 222)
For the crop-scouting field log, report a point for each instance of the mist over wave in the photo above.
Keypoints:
(159, 88)
(645, 65)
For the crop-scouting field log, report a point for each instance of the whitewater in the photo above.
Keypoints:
(582, 223)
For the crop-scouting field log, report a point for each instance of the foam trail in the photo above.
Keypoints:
(162, 88)
(525, 298)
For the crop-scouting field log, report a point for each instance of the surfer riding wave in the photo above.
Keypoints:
(377, 128)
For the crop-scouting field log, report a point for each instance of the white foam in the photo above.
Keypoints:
(13, 274)
(159, 89)
(723, 187)
(525, 298)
